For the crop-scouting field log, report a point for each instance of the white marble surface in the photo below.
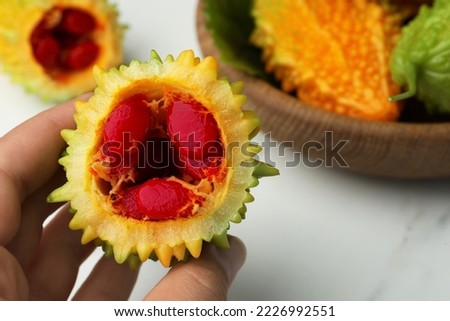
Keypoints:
(311, 234)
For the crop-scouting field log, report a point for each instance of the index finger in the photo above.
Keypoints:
(28, 159)
(29, 153)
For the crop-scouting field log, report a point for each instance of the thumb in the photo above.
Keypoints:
(206, 278)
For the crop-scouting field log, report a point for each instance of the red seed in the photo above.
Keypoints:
(39, 32)
(191, 127)
(46, 52)
(77, 22)
(82, 55)
(128, 124)
(200, 169)
(129, 205)
(158, 199)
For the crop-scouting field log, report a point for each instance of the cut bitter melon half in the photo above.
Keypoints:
(50, 46)
(161, 159)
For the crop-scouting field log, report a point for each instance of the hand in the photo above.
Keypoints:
(42, 263)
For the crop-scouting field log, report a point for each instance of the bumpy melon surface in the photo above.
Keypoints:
(161, 159)
(333, 54)
(50, 46)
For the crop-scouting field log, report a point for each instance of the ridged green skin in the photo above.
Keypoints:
(421, 58)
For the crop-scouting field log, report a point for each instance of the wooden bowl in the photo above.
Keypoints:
(387, 149)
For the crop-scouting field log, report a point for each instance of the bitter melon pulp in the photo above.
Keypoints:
(50, 46)
(161, 159)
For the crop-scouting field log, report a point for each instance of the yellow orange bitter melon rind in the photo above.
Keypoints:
(18, 20)
(334, 55)
(171, 239)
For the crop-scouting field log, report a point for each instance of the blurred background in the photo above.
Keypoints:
(311, 234)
